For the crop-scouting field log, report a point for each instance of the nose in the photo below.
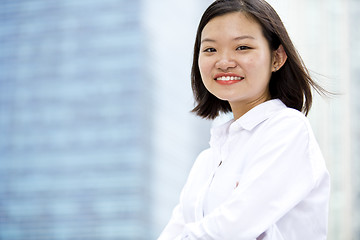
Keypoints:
(225, 62)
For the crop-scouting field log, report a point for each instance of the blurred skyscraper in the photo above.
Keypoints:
(326, 34)
(74, 121)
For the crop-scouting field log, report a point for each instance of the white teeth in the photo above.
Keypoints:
(228, 78)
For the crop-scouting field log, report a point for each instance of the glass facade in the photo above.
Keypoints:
(73, 156)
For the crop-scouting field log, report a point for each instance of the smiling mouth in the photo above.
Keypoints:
(229, 78)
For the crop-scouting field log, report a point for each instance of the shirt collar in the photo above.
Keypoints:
(250, 119)
(257, 115)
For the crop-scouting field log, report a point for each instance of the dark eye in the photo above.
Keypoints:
(210, 50)
(243, 48)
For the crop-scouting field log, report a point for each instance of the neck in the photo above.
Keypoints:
(240, 108)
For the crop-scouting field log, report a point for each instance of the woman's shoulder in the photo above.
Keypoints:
(290, 114)
(286, 124)
(289, 117)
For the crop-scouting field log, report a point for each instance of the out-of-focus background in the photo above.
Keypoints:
(96, 138)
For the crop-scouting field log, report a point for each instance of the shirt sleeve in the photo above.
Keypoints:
(280, 174)
(176, 225)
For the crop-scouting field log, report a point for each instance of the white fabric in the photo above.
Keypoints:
(272, 183)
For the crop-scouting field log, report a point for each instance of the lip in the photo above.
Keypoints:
(228, 81)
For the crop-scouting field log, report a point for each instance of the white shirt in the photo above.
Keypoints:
(263, 178)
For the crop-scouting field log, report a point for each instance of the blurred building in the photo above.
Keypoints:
(326, 35)
(74, 121)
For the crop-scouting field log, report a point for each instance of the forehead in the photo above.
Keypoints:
(234, 24)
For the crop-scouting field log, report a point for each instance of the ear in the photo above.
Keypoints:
(279, 58)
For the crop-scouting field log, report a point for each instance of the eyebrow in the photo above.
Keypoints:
(235, 39)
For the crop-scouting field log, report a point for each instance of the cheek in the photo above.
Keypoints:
(205, 72)
(258, 64)
(201, 64)
(204, 67)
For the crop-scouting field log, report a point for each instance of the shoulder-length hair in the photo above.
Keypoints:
(291, 83)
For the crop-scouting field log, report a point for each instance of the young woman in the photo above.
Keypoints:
(263, 176)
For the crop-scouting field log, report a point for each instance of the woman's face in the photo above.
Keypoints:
(235, 60)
